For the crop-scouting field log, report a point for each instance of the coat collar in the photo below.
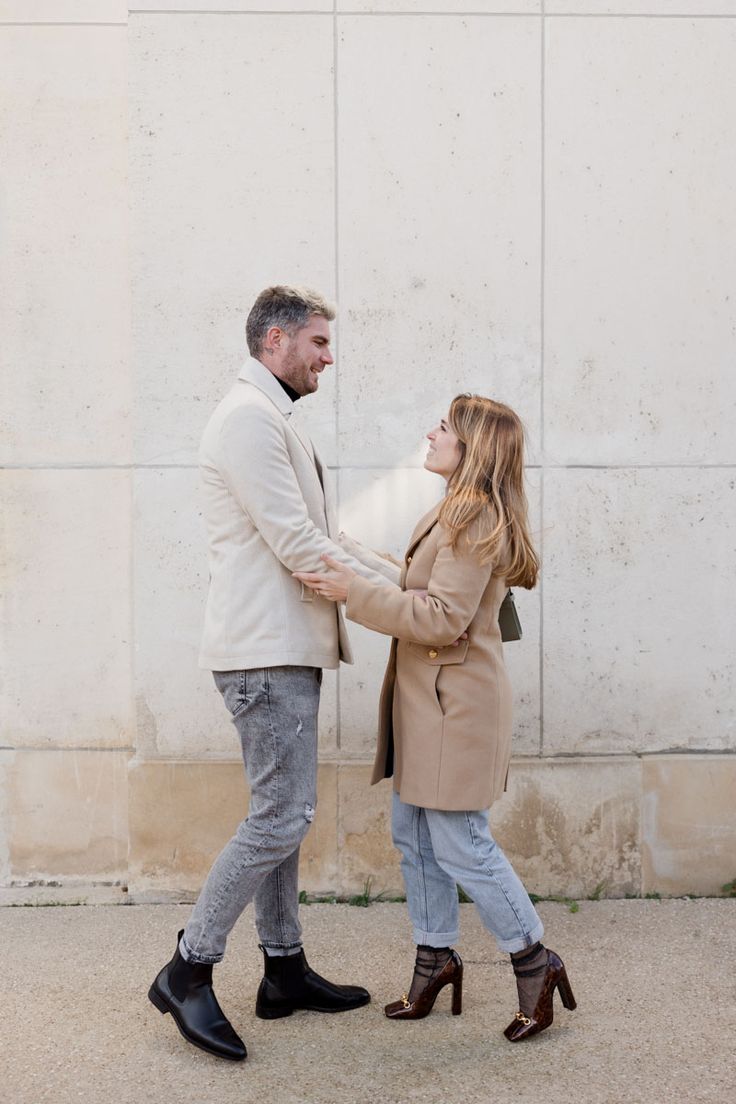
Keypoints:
(258, 374)
(423, 526)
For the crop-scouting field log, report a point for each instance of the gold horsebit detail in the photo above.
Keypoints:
(405, 1000)
(524, 1019)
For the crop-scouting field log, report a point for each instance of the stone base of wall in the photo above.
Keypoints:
(579, 826)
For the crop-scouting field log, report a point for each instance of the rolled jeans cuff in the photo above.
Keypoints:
(281, 950)
(201, 960)
(435, 939)
(511, 946)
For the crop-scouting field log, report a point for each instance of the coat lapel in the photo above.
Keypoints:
(423, 526)
(256, 373)
(304, 441)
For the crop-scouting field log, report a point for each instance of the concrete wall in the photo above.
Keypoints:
(534, 200)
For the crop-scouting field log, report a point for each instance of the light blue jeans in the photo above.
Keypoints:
(441, 850)
(274, 710)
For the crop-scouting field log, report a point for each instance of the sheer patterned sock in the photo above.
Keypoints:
(530, 966)
(429, 963)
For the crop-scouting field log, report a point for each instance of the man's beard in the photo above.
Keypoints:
(296, 373)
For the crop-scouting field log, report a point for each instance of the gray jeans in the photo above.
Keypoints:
(274, 710)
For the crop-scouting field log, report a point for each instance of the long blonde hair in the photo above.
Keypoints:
(488, 485)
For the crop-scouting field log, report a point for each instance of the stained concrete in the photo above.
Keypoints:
(655, 1023)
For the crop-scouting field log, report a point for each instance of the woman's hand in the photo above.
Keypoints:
(332, 584)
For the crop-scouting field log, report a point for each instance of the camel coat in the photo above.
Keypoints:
(445, 712)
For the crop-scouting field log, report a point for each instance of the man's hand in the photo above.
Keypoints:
(332, 584)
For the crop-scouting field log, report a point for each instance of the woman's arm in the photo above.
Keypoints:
(454, 591)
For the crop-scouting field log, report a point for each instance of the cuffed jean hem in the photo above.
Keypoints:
(198, 960)
(435, 939)
(511, 946)
(281, 950)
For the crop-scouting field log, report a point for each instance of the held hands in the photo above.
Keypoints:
(332, 584)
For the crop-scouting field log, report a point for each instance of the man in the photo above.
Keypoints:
(266, 640)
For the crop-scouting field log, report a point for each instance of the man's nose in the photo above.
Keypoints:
(327, 357)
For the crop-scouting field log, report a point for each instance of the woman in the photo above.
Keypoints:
(445, 713)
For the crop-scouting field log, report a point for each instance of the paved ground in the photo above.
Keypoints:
(656, 1020)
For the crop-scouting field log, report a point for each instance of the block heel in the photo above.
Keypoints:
(565, 990)
(457, 994)
(157, 1001)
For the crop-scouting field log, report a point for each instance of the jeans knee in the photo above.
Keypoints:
(450, 861)
(281, 827)
(294, 828)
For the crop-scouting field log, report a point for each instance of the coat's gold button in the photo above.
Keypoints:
(433, 653)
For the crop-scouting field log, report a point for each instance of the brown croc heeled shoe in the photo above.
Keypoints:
(555, 977)
(450, 974)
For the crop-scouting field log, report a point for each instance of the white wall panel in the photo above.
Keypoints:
(639, 638)
(439, 225)
(64, 283)
(232, 171)
(641, 269)
(65, 648)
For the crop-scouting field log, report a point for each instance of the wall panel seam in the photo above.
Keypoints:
(542, 264)
(404, 14)
(336, 225)
(12, 23)
(372, 467)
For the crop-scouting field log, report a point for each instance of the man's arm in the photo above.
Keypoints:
(382, 562)
(259, 473)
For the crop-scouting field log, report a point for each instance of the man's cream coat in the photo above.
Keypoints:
(269, 512)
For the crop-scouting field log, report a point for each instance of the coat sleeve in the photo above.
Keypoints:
(454, 591)
(382, 562)
(258, 472)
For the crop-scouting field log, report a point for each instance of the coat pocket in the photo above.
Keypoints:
(437, 656)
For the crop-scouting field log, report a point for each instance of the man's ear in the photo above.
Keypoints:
(274, 339)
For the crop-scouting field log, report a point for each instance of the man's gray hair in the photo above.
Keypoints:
(289, 308)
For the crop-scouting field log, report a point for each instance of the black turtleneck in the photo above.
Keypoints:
(293, 395)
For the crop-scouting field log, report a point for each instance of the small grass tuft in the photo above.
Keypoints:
(572, 905)
(358, 900)
(598, 892)
(362, 900)
(729, 889)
